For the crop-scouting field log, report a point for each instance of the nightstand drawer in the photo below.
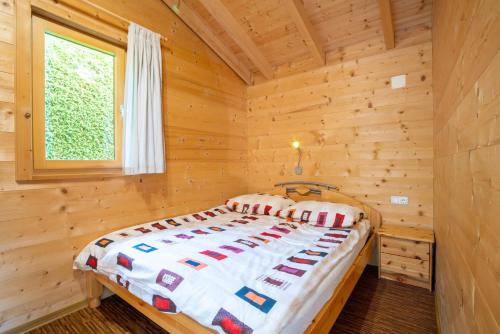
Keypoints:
(406, 279)
(413, 268)
(407, 248)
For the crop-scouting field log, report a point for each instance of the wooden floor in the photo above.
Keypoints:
(375, 306)
(383, 306)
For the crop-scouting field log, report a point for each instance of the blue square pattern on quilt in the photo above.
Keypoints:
(258, 300)
(145, 248)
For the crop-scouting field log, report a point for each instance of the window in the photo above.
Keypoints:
(77, 92)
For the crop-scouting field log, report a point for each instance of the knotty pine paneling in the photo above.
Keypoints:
(351, 29)
(355, 131)
(43, 225)
(467, 158)
(341, 26)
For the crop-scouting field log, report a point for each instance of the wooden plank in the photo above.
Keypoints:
(7, 31)
(95, 12)
(6, 87)
(6, 146)
(7, 6)
(387, 24)
(7, 117)
(232, 27)
(7, 57)
(24, 159)
(79, 19)
(192, 20)
(311, 38)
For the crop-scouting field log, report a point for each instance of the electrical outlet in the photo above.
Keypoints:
(399, 200)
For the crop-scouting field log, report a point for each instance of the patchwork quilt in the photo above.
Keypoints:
(236, 273)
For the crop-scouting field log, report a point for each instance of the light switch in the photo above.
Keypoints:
(399, 200)
(398, 81)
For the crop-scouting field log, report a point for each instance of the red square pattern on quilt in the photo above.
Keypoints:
(124, 261)
(230, 324)
(159, 226)
(164, 304)
(92, 262)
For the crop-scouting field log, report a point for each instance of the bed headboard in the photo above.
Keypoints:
(314, 191)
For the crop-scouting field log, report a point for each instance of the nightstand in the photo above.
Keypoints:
(405, 255)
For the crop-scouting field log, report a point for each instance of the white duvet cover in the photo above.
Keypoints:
(233, 272)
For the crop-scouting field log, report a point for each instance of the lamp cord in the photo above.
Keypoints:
(300, 157)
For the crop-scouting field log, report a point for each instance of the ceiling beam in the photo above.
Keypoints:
(231, 26)
(199, 27)
(306, 29)
(387, 24)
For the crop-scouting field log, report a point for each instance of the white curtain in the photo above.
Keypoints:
(143, 151)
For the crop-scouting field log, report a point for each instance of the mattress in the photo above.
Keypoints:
(235, 273)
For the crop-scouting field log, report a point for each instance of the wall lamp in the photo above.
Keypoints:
(298, 168)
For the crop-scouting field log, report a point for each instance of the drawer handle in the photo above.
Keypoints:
(403, 249)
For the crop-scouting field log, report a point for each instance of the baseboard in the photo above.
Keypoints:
(47, 318)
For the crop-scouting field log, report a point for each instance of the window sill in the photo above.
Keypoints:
(56, 175)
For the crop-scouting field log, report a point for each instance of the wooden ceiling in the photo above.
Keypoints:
(265, 39)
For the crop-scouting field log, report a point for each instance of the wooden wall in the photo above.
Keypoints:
(356, 132)
(467, 164)
(44, 225)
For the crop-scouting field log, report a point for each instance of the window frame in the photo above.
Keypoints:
(40, 26)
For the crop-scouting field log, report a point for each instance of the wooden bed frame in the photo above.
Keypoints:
(324, 320)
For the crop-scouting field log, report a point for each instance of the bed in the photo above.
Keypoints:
(234, 272)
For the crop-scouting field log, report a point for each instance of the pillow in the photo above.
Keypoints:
(260, 204)
(323, 214)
